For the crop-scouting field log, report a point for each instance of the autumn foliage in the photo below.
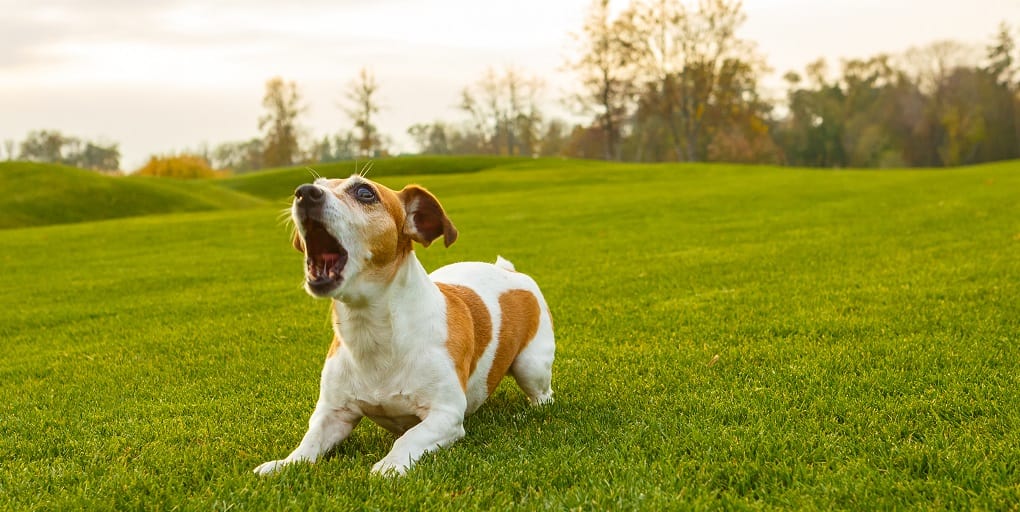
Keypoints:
(180, 166)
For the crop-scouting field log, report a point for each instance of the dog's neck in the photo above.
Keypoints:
(368, 322)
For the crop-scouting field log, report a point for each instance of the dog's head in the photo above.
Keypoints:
(356, 233)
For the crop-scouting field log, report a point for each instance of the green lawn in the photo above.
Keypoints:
(867, 326)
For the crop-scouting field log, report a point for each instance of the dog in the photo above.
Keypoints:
(414, 352)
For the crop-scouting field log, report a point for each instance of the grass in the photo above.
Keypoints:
(866, 325)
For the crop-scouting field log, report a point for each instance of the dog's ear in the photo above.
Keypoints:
(426, 220)
(298, 243)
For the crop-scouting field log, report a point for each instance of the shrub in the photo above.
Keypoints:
(180, 166)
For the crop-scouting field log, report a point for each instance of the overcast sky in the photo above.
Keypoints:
(164, 75)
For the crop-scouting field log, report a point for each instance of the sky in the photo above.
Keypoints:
(159, 76)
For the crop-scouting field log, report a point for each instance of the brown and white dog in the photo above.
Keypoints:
(413, 352)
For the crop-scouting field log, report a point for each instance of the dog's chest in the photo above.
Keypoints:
(386, 396)
(396, 413)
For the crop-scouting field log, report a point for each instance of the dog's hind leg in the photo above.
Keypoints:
(532, 368)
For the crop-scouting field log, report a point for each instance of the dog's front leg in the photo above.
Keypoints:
(439, 429)
(327, 427)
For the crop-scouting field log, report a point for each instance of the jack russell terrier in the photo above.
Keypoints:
(413, 352)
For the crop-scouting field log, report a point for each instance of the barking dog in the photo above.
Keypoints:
(413, 352)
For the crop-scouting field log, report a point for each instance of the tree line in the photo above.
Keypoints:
(666, 80)
(54, 147)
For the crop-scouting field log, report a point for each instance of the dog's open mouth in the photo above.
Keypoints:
(324, 256)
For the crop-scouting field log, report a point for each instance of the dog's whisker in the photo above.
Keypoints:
(367, 168)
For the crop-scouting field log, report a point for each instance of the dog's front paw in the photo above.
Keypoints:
(387, 467)
(271, 467)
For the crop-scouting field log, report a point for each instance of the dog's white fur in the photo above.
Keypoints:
(392, 359)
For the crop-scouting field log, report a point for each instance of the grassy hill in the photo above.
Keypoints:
(866, 327)
(38, 194)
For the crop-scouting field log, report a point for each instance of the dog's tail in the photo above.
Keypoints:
(505, 264)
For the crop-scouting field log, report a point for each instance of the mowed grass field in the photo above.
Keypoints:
(866, 325)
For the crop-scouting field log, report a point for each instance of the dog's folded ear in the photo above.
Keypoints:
(426, 220)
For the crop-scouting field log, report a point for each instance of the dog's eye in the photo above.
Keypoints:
(365, 194)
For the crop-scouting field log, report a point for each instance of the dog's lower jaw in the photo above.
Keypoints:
(320, 291)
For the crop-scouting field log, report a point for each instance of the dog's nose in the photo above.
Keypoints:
(308, 195)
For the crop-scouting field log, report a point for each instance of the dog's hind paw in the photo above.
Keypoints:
(542, 399)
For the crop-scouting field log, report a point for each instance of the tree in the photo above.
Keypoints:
(53, 147)
(604, 67)
(484, 122)
(525, 114)
(339, 147)
(1001, 64)
(1003, 118)
(282, 102)
(364, 105)
(504, 112)
(937, 105)
(970, 114)
(962, 120)
(554, 139)
(702, 71)
(931, 64)
(431, 139)
(100, 157)
(239, 157)
(585, 142)
(44, 146)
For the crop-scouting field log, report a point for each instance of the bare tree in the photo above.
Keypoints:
(362, 93)
(239, 157)
(604, 65)
(692, 55)
(431, 138)
(283, 105)
(930, 65)
(528, 117)
(504, 111)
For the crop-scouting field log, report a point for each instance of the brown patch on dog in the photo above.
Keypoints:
(469, 328)
(395, 209)
(334, 347)
(386, 238)
(337, 342)
(517, 327)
